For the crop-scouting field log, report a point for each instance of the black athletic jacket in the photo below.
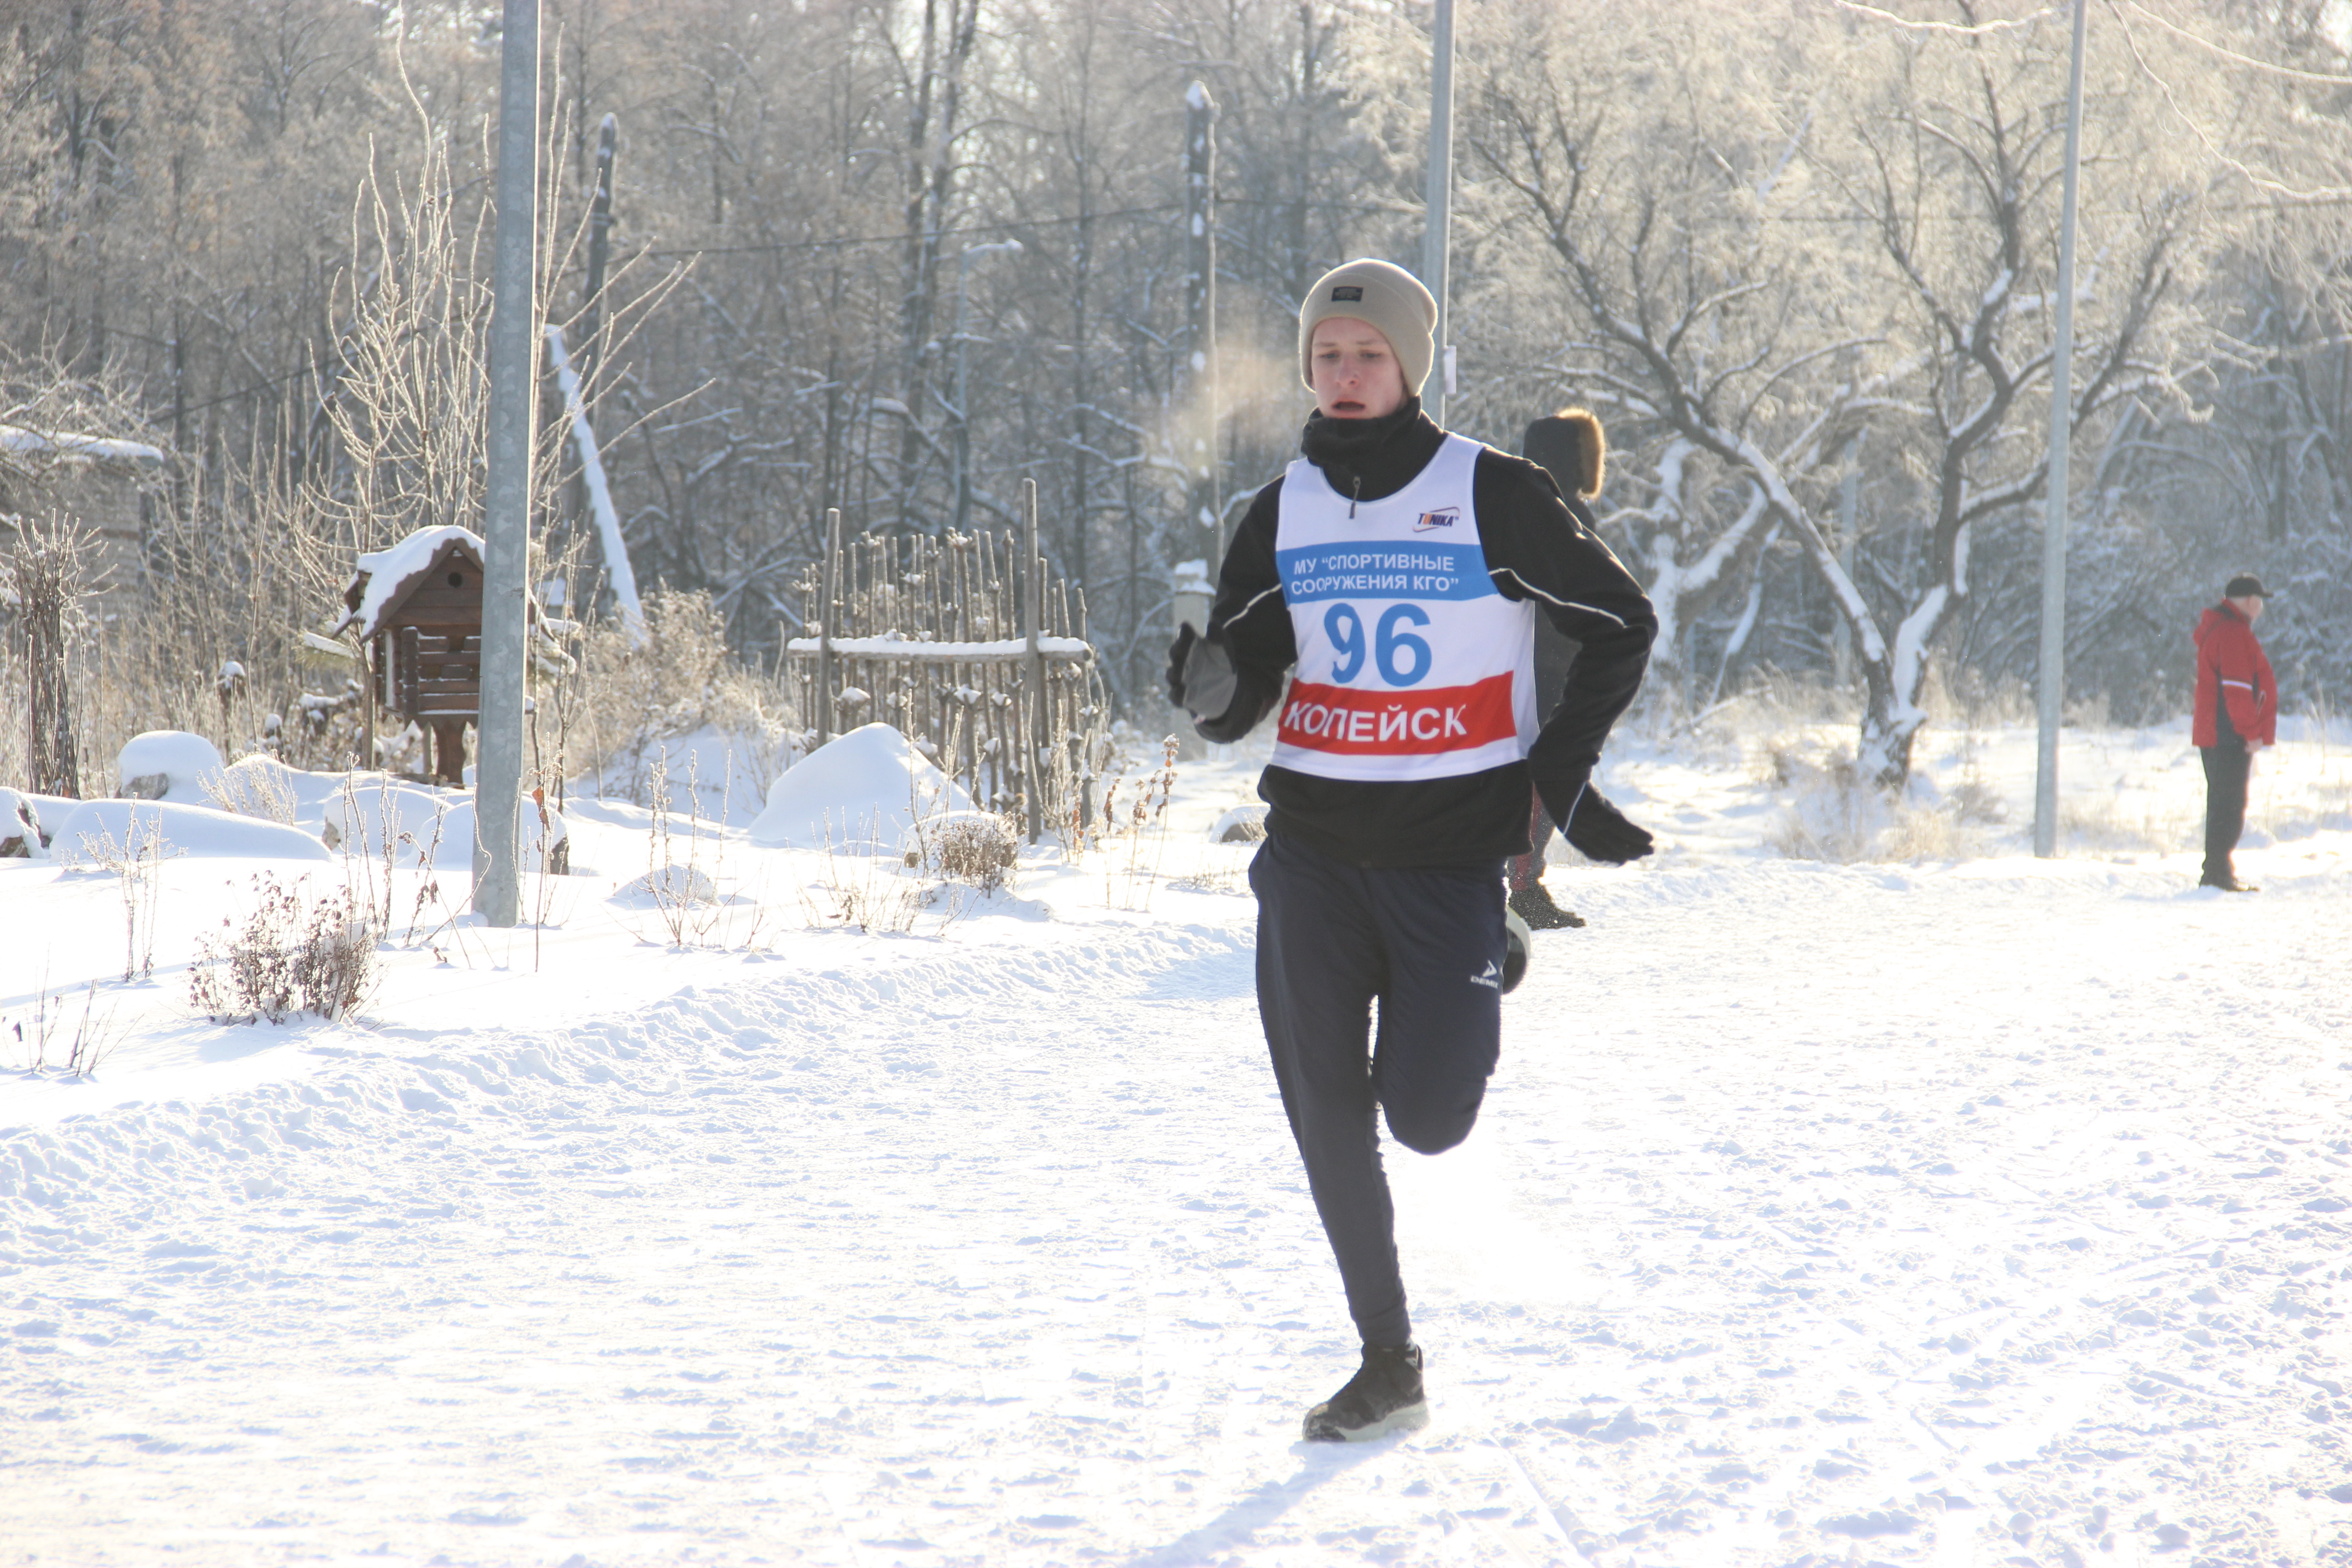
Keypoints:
(1537, 548)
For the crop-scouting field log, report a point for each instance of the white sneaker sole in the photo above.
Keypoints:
(1410, 1418)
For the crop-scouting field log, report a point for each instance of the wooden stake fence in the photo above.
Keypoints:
(979, 659)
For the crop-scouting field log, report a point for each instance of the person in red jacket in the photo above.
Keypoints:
(2237, 715)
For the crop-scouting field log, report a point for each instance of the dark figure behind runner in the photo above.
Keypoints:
(2237, 715)
(1401, 570)
(1572, 450)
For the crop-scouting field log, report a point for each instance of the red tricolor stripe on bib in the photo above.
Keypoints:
(1398, 723)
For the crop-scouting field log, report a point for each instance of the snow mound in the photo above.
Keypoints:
(98, 828)
(167, 764)
(861, 792)
(426, 831)
(20, 827)
(670, 885)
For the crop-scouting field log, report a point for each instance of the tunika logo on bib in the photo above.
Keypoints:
(1410, 665)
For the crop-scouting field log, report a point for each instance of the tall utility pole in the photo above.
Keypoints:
(506, 521)
(963, 380)
(2053, 692)
(1201, 307)
(1032, 616)
(1440, 203)
(600, 250)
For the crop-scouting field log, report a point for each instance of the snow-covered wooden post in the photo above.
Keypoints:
(599, 246)
(825, 625)
(1033, 770)
(505, 519)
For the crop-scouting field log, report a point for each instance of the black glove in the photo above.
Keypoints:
(1200, 675)
(1593, 826)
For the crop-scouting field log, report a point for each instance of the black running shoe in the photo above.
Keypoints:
(1533, 904)
(2228, 884)
(1385, 1396)
(1517, 941)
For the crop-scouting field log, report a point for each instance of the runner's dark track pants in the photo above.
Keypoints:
(1427, 944)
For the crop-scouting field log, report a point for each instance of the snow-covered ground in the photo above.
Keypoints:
(1978, 1210)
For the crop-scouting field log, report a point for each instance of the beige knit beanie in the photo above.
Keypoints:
(1387, 296)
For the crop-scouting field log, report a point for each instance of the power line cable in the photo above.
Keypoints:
(1964, 29)
(2229, 54)
(1015, 225)
(2259, 181)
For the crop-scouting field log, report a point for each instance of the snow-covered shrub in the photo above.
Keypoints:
(632, 699)
(292, 955)
(1775, 709)
(671, 885)
(1831, 812)
(255, 786)
(978, 849)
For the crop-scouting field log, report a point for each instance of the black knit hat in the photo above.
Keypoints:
(2245, 585)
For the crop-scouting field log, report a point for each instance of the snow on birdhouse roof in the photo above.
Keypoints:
(24, 442)
(383, 577)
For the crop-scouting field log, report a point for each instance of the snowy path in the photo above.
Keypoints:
(1819, 1214)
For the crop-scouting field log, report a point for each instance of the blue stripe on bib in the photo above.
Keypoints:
(1371, 569)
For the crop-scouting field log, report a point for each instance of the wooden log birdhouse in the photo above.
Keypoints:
(416, 609)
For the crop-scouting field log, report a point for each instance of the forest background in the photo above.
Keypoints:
(1798, 254)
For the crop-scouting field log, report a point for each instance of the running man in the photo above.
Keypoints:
(1399, 570)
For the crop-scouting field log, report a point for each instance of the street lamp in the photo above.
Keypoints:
(962, 378)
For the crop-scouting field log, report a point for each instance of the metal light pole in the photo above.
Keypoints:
(505, 519)
(962, 381)
(2053, 692)
(1200, 309)
(1439, 200)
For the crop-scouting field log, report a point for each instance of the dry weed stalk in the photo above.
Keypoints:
(93, 1040)
(687, 913)
(864, 891)
(1149, 811)
(135, 861)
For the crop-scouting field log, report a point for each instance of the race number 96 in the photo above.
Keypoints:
(1402, 658)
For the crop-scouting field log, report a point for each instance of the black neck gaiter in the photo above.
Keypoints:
(1366, 459)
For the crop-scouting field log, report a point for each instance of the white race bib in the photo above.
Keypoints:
(1411, 665)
